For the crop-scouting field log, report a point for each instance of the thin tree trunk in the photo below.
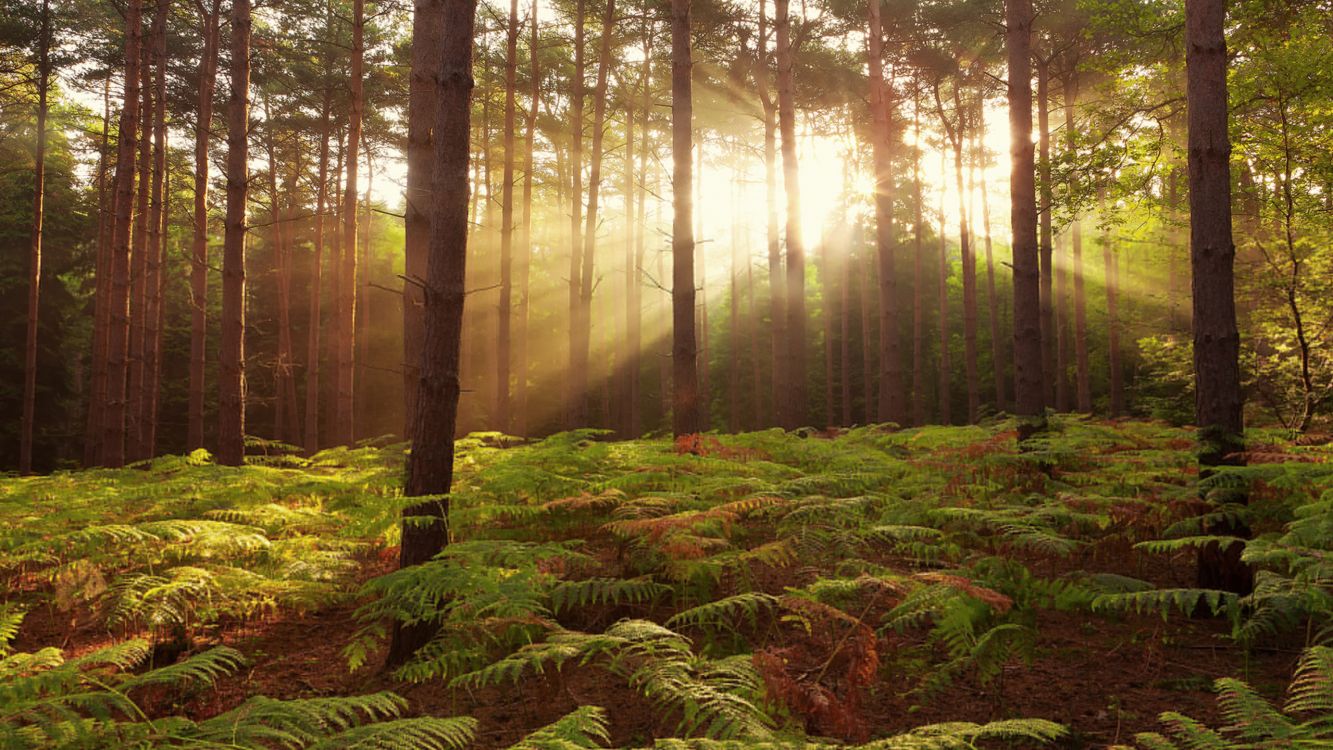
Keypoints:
(118, 308)
(944, 370)
(199, 244)
(504, 354)
(231, 357)
(629, 358)
(1111, 273)
(35, 257)
(891, 403)
(1083, 380)
(312, 442)
(864, 297)
(1049, 333)
(430, 464)
(1029, 386)
(992, 299)
(156, 244)
(794, 293)
(1218, 399)
(525, 242)
(684, 355)
(345, 406)
(102, 285)
(701, 296)
(576, 398)
(155, 371)
(918, 276)
(776, 284)
(956, 134)
(139, 254)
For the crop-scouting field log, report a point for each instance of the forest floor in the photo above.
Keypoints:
(870, 581)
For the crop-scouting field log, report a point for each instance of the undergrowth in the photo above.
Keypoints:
(752, 589)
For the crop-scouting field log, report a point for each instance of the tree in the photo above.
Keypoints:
(504, 355)
(210, 17)
(1029, 386)
(684, 353)
(29, 418)
(794, 290)
(345, 403)
(112, 398)
(231, 357)
(430, 464)
(891, 406)
(1218, 400)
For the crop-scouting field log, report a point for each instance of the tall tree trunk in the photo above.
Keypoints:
(956, 133)
(156, 245)
(154, 394)
(35, 256)
(1029, 385)
(944, 369)
(776, 282)
(1049, 332)
(112, 451)
(582, 333)
(1218, 400)
(576, 397)
(504, 355)
(365, 282)
(316, 287)
(992, 299)
(139, 254)
(430, 464)
(287, 427)
(92, 440)
(426, 19)
(208, 71)
(684, 375)
(1112, 272)
(918, 276)
(629, 357)
(794, 293)
(701, 297)
(1083, 380)
(891, 404)
(345, 406)
(864, 301)
(525, 243)
(231, 357)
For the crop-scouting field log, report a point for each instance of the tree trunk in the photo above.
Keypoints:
(1049, 333)
(684, 376)
(156, 245)
(1218, 400)
(118, 307)
(139, 254)
(944, 369)
(1111, 272)
(1083, 380)
(345, 405)
(629, 358)
(430, 464)
(918, 278)
(35, 257)
(993, 316)
(794, 293)
(891, 406)
(154, 394)
(93, 432)
(316, 276)
(776, 284)
(426, 20)
(503, 354)
(231, 357)
(1029, 385)
(701, 297)
(576, 397)
(199, 244)
(956, 133)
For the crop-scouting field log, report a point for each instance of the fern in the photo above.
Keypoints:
(584, 727)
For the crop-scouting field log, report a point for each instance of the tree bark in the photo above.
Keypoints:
(231, 357)
(794, 292)
(576, 397)
(1029, 385)
(525, 244)
(208, 70)
(345, 406)
(112, 451)
(29, 418)
(139, 251)
(944, 369)
(430, 464)
(891, 404)
(312, 441)
(504, 354)
(629, 357)
(156, 245)
(1218, 399)
(776, 284)
(918, 277)
(1049, 333)
(1112, 272)
(992, 299)
(684, 375)
(426, 19)
(93, 431)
